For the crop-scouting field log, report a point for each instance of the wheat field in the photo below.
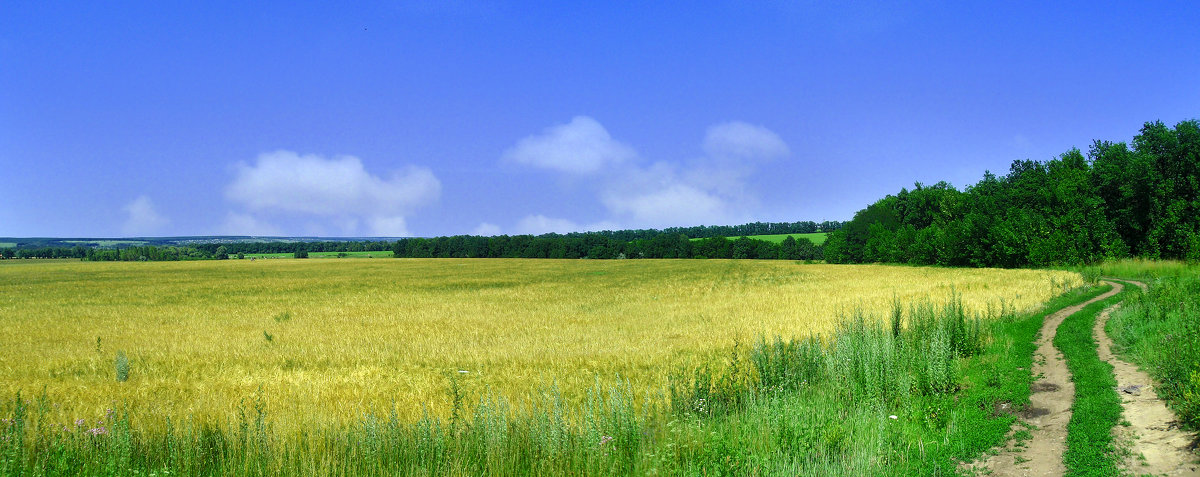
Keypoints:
(325, 342)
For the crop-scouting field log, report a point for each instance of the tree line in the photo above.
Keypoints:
(1119, 200)
(600, 246)
(674, 242)
(712, 231)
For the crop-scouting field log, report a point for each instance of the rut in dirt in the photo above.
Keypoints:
(1053, 393)
(1157, 444)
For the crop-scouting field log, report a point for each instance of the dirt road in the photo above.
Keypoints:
(1049, 410)
(1156, 443)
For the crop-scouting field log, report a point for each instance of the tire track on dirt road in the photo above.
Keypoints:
(1053, 393)
(1157, 444)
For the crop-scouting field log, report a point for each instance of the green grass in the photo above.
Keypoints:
(817, 238)
(1160, 333)
(8, 245)
(997, 382)
(375, 254)
(1138, 268)
(1097, 407)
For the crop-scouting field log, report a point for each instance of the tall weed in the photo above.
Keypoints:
(1160, 332)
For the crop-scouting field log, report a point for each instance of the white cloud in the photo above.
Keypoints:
(394, 226)
(246, 224)
(311, 184)
(486, 230)
(739, 140)
(714, 188)
(338, 191)
(141, 217)
(579, 147)
(673, 204)
(540, 224)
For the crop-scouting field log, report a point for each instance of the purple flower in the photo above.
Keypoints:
(96, 431)
(80, 422)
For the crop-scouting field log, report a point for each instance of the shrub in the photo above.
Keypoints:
(122, 365)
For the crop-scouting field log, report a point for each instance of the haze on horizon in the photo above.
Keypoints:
(439, 118)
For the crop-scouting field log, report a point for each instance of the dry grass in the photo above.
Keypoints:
(381, 334)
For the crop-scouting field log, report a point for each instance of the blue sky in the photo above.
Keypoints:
(437, 118)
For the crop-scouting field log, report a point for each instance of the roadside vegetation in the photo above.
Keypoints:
(1159, 332)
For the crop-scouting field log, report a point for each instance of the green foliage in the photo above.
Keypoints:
(1114, 203)
(140, 253)
(121, 364)
(1159, 331)
(1138, 268)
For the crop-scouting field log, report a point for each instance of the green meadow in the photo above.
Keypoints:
(817, 238)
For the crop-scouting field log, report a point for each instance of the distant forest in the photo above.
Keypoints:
(641, 243)
(1120, 200)
(674, 242)
(600, 246)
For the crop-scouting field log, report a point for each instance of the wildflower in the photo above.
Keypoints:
(605, 440)
(893, 417)
(80, 422)
(97, 431)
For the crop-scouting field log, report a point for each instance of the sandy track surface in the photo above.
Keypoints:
(1157, 445)
(1049, 410)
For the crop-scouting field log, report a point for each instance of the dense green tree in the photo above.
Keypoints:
(1114, 202)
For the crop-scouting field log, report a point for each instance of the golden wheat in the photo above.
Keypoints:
(348, 337)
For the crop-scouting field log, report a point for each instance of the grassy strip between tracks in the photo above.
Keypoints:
(1097, 407)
